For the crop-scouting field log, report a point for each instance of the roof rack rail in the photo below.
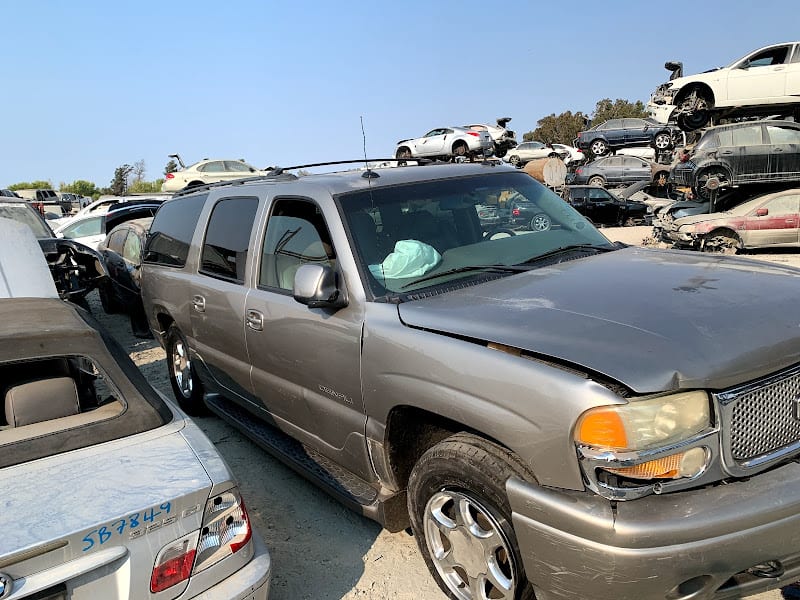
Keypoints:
(366, 161)
(275, 172)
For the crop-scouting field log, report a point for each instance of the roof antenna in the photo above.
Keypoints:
(369, 173)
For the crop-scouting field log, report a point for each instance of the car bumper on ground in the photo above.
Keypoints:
(660, 112)
(689, 544)
(251, 582)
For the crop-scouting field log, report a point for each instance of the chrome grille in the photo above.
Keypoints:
(763, 416)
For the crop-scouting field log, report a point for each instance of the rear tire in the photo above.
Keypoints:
(186, 387)
(597, 180)
(598, 148)
(461, 518)
(460, 151)
(540, 222)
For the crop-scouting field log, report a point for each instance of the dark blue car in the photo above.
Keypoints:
(625, 133)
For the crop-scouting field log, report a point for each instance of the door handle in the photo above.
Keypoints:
(199, 303)
(727, 152)
(255, 320)
(778, 69)
(777, 149)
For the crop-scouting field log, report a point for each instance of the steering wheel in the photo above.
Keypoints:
(493, 232)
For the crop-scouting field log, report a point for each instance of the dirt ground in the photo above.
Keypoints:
(321, 550)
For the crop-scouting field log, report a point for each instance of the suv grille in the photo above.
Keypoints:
(761, 419)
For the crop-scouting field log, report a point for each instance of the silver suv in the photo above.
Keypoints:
(546, 410)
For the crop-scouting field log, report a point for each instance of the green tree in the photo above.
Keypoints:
(171, 167)
(32, 185)
(145, 187)
(119, 185)
(557, 129)
(80, 187)
(618, 109)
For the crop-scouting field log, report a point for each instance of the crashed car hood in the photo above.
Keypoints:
(694, 219)
(653, 320)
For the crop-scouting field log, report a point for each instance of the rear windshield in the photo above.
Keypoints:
(26, 215)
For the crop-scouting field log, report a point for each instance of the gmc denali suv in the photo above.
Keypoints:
(553, 415)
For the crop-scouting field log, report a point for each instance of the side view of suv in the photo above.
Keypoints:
(499, 394)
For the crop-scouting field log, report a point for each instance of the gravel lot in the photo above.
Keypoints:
(321, 550)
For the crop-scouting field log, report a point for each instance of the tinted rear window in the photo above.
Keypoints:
(228, 237)
(172, 231)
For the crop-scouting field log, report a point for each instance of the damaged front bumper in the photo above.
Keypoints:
(725, 541)
(661, 105)
(681, 239)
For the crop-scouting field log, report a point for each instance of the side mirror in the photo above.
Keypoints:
(316, 287)
(762, 212)
(744, 64)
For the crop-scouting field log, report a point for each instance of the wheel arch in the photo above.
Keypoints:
(703, 88)
(457, 143)
(411, 431)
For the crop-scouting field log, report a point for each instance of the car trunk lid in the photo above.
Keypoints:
(82, 523)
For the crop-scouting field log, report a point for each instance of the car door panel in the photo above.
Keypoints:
(217, 295)
(780, 227)
(306, 362)
(784, 147)
(755, 79)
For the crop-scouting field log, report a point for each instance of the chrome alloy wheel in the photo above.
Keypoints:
(468, 548)
(663, 141)
(182, 368)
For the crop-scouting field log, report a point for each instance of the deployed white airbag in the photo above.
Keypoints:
(411, 258)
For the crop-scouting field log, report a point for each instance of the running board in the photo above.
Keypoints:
(348, 488)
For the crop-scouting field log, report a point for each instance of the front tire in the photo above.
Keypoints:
(722, 242)
(663, 141)
(461, 518)
(403, 153)
(540, 222)
(514, 160)
(186, 387)
(597, 180)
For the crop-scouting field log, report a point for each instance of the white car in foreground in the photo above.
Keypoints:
(447, 142)
(764, 82)
(110, 490)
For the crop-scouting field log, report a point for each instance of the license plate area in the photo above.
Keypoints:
(58, 592)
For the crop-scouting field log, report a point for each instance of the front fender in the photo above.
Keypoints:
(528, 406)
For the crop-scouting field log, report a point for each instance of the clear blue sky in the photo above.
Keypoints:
(88, 86)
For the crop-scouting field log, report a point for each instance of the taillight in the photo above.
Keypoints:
(578, 171)
(225, 530)
(475, 133)
(174, 563)
(170, 175)
(515, 212)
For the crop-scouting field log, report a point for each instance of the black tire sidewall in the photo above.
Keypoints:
(194, 405)
(479, 469)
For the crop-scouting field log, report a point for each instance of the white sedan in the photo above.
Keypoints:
(528, 151)
(209, 171)
(447, 142)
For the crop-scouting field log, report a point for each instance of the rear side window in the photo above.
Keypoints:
(228, 237)
(116, 240)
(172, 230)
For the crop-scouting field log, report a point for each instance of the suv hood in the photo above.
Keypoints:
(654, 320)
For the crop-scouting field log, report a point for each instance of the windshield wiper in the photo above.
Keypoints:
(569, 248)
(466, 269)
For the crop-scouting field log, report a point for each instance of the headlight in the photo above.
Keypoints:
(644, 424)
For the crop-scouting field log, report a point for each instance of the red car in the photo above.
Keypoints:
(768, 221)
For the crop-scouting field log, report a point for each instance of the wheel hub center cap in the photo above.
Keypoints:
(468, 552)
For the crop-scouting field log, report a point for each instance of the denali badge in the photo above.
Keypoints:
(6, 585)
(335, 394)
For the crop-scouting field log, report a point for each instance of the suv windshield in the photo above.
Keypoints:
(411, 237)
